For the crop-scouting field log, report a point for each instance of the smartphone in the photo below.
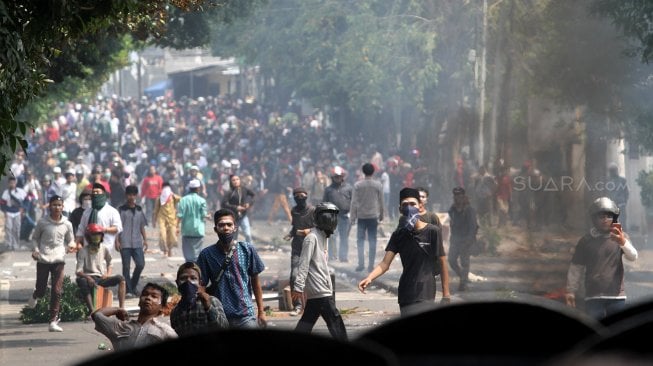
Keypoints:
(617, 225)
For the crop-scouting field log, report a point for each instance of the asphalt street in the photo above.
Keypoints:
(515, 276)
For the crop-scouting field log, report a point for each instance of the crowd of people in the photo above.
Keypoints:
(113, 166)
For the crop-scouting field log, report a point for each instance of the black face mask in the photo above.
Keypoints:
(300, 202)
(226, 238)
(188, 292)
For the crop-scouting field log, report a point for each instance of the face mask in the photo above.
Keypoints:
(410, 216)
(226, 238)
(94, 239)
(300, 202)
(86, 204)
(98, 201)
(188, 291)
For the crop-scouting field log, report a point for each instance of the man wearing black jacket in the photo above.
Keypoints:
(239, 199)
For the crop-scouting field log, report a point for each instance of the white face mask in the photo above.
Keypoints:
(86, 204)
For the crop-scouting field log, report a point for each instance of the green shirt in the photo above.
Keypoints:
(192, 211)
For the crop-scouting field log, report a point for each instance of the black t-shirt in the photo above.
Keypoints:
(419, 252)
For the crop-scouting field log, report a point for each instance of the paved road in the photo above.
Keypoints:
(514, 276)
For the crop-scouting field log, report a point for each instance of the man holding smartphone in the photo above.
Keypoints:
(598, 259)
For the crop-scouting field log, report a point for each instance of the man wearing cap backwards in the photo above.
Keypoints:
(598, 258)
(191, 213)
(422, 256)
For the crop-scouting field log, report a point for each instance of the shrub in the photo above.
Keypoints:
(645, 181)
(72, 307)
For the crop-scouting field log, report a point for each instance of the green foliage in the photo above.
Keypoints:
(633, 18)
(69, 48)
(645, 181)
(72, 306)
(363, 56)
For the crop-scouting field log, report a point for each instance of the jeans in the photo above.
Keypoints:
(139, 263)
(459, 252)
(366, 226)
(191, 247)
(55, 272)
(245, 228)
(600, 308)
(343, 238)
(294, 268)
(249, 322)
(326, 308)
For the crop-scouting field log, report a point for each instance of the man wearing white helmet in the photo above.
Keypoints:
(598, 259)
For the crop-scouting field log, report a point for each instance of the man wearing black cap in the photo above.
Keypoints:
(422, 258)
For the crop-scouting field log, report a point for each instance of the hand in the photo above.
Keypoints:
(570, 299)
(35, 255)
(262, 321)
(296, 295)
(287, 237)
(363, 284)
(122, 314)
(617, 234)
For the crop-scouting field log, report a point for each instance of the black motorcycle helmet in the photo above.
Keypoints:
(326, 217)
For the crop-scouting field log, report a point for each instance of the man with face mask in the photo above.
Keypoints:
(197, 311)
(94, 268)
(231, 269)
(103, 214)
(302, 221)
(313, 278)
(422, 256)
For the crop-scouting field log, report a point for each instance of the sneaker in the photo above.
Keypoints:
(31, 303)
(54, 327)
(296, 311)
(130, 295)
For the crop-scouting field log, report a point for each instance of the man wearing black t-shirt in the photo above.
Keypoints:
(422, 257)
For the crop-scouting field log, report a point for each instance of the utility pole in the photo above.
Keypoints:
(481, 81)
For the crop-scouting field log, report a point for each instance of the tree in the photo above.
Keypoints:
(65, 48)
